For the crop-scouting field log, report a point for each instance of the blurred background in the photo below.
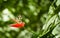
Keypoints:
(41, 17)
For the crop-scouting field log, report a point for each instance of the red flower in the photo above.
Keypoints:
(18, 25)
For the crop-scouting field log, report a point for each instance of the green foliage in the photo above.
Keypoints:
(41, 17)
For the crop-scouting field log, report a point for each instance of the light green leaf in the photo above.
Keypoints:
(58, 2)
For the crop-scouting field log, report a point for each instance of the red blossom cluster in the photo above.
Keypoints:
(18, 25)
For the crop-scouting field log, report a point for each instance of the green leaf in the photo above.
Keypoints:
(46, 25)
(58, 3)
